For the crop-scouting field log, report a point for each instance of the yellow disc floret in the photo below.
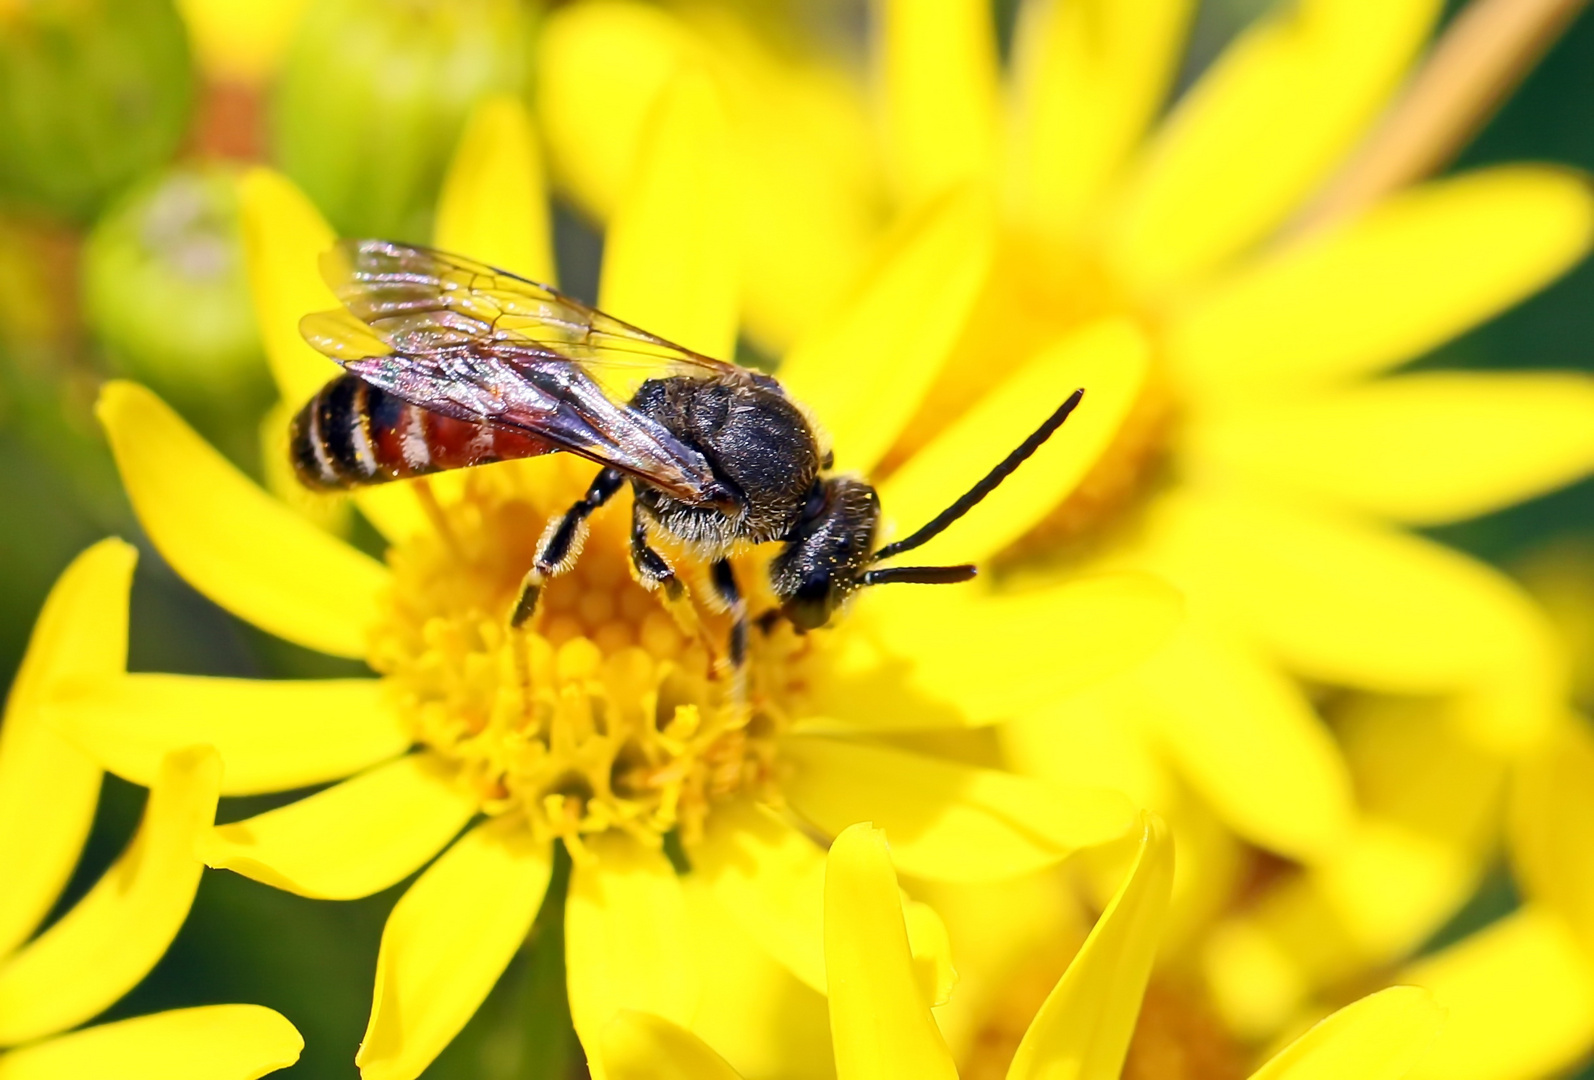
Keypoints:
(613, 709)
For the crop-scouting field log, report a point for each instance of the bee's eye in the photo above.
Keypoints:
(810, 606)
(815, 504)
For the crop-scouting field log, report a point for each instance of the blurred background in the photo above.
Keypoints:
(122, 126)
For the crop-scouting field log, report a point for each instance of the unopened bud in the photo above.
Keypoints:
(164, 289)
(92, 94)
(374, 94)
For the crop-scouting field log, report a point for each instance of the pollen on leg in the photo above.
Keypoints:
(610, 710)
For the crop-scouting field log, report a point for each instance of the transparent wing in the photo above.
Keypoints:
(479, 344)
(415, 299)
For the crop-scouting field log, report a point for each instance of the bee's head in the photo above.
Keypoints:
(826, 552)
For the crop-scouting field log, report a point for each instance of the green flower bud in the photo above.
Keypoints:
(373, 97)
(164, 289)
(92, 94)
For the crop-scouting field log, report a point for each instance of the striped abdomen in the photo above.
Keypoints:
(352, 434)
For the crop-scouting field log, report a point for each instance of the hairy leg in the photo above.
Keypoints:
(731, 595)
(561, 544)
(650, 565)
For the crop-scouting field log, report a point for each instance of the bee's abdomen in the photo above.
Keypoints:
(352, 434)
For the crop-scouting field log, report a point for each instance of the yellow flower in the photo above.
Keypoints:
(89, 957)
(606, 727)
(1252, 449)
(240, 41)
(1526, 981)
(1560, 575)
(883, 1031)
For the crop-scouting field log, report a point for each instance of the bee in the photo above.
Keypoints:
(449, 363)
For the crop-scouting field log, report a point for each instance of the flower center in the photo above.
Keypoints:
(613, 708)
(1177, 1034)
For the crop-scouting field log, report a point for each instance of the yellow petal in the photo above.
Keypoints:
(398, 510)
(931, 947)
(110, 939)
(393, 510)
(1379, 1037)
(211, 1042)
(670, 260)
(448, 939)
(492, 206)
(1552, 826)
(351, 840)
(1084, 1027)
(1095, 737)
(882, 1030)
(937, 76)
(1256, 978)
(1245, 737)
(1413, 448)
(901, 667)
(1108, 359)
(1390, 887)
(1519, 997)
(811, 186)
(1343, 601)
(1430, 808)
(1430, 800)
(807, 178)
(273, 735)
(45, 781)
(1104, 737)
(770, 877)
(329, 510)
(1004, 934)
(866, 371)
(754, 1011)
(1210, 871)
(240, 41)
(284, 237)
(1414, 271)
(229, 539)
(1088, 78)
(628, 941)
(641, 1046)
(1263, 127)
(948, 822)
(600, 68)
(1559, 572)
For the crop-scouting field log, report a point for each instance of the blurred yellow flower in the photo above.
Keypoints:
(806, 201)
(883, 1031)
(1560, 575)
(240, 40)
(94, 953)
(607, 726)
(1253, 450)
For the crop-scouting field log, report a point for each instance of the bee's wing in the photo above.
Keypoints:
(481, 345)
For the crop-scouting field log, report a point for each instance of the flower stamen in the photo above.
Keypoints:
(606, 712)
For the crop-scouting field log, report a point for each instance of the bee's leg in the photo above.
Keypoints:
(725, 586)
(650, 565)
(561, 543)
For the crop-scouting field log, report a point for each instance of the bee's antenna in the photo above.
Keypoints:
(920, 575)
(972, 497)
